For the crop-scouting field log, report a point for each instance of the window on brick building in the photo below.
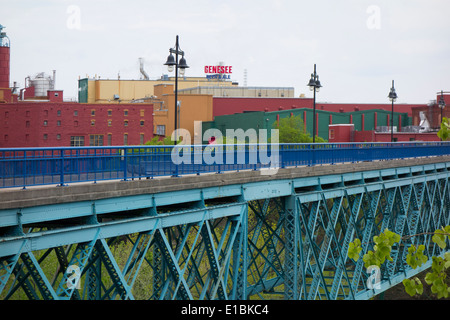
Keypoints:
(77, 141)
(161, 130)
(96, 140)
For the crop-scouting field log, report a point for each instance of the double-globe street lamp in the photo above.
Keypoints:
(392, 96)
(314, 85)
(173, 63)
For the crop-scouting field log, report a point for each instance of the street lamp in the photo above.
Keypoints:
(392, 96)
(314, 85)
(171, 63)
(441, 103)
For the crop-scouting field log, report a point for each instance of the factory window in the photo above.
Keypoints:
(45, 123)
(58, 137)
(77, 141)
(125, 139)
(161, 130)
(109, 123)
(142, 123)
(58, 123)
(58, 113)
(45, 136)
(27, 124)
(142, 112)
(93, 112)
(75, 113)
(125, 123)
(125, 112)
(109, 112)
(96, 140)
(142, 138)
(92, 122)
(109, 139)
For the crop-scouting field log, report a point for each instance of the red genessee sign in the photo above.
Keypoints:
(218, 69)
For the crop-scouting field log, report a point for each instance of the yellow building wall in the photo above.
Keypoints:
(91, 92)
(103, 91)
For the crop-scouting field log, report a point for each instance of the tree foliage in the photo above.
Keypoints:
(291, 130)
(444, 132)
(437, 275)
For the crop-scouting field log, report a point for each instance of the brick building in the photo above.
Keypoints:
(64, 124)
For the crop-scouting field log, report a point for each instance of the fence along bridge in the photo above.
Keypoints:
(236, 235)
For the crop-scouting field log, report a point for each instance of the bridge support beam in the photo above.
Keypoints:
(287, 238)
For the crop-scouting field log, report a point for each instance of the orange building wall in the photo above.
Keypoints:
(193, 107)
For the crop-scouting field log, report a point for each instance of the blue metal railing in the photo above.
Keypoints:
(39, 166)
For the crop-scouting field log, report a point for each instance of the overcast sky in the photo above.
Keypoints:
(359, 46)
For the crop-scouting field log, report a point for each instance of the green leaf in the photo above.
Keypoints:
(439, 238)
(413, 286)
(354, 249)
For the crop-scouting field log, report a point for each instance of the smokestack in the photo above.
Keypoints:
(141, 63)
(4, 59)
(54, 79)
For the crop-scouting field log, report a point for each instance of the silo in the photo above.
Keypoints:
(4, 59)
(41, 83)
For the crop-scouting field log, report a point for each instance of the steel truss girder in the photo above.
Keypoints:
(284, 237)
(398, 206)
(93, 257)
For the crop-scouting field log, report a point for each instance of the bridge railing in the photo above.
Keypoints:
(22, 167)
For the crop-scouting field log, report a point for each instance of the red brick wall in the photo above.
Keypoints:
(225, 105)
(25, 124)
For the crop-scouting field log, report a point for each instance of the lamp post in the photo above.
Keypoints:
(171, 63)
(392, 96)
(441, 103)
(314, 85)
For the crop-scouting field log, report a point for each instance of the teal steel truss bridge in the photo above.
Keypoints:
(236, 235)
